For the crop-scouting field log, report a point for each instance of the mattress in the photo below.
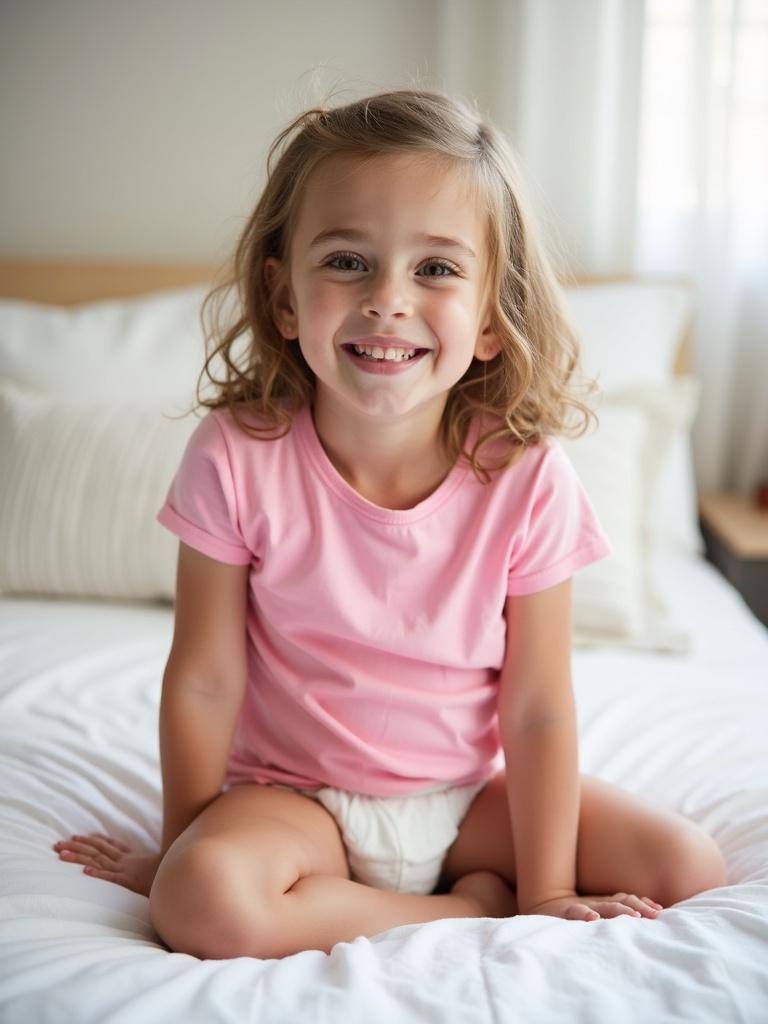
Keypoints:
(79, 693)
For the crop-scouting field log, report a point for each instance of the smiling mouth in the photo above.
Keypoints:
(391, 354)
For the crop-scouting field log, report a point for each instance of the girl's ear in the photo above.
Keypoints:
(488, 344)
(280, 299)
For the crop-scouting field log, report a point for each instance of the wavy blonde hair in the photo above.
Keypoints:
(526, 391)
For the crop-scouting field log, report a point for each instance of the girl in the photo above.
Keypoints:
(367, 717)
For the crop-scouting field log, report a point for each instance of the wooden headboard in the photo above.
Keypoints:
(70, 282)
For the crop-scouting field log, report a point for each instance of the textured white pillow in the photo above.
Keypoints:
(608, 594)
(675, 512)
(616, 600)
(630, 333)
(80, 485)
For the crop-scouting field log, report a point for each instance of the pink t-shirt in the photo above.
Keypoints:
(375, 636)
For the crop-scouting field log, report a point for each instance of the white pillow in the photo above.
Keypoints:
(87, 457)
(140, 348)
(675, 511)
(608, 594)
(616, 599)
(630, 330)
(630, 333)
(81, 485)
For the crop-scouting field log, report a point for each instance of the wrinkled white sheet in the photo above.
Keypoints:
(79, 689)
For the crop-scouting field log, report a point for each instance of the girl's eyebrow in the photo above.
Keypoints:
(354, 235)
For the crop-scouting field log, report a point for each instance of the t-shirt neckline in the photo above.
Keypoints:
(330, 476)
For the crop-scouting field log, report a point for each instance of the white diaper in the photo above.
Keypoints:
(397, 843)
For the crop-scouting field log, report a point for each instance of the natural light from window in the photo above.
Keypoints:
(704, 129)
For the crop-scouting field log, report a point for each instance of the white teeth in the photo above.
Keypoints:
(396, 355)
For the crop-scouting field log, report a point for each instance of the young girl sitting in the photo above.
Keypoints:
(367, 717)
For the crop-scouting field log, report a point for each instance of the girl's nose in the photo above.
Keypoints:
(386, 297)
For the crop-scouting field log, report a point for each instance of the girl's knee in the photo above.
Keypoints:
(692, 864)
(201, 904)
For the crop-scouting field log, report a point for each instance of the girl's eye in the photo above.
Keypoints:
(349, 257)
(443, 264)
(342, 257)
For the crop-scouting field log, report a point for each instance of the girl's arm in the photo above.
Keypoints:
(537, 720)
(203, 686)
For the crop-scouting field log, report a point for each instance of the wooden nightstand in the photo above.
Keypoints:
(736, 535)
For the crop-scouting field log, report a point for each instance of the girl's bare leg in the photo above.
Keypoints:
(625, 844)
(263, 872)
(321, 910)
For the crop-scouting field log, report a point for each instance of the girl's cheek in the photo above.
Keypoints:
(325, 300)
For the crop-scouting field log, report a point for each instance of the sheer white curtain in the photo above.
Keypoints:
(642, 127)
(702, 209)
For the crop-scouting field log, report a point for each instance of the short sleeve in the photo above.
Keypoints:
(560, 532)
(201, 506)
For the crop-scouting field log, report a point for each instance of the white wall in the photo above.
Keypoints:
(138, 129)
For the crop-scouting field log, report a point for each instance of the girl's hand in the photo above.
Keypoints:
(590, 908)
(112, 860)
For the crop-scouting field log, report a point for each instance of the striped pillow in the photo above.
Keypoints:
(81, 484)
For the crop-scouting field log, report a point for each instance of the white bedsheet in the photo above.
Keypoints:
(79, 690)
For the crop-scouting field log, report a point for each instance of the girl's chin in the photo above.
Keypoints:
(371, 407)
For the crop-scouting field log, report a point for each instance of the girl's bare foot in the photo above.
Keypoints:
(489, 892)
(111, 859)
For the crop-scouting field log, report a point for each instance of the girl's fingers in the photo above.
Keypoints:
(89, 846)
(622, 904)
(644, 906)
(579, 912)
(103, 844)
(587, 913)
(108, 876)
(92, 859)
(652, 903)
(636, 906)
(111, 839)
(72, 849)
(627, 903)
(80, 853)
(616, 909)
(72, 846)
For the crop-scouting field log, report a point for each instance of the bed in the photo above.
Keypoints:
(670, 672)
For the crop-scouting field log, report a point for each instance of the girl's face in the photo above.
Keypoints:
(388, 256)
